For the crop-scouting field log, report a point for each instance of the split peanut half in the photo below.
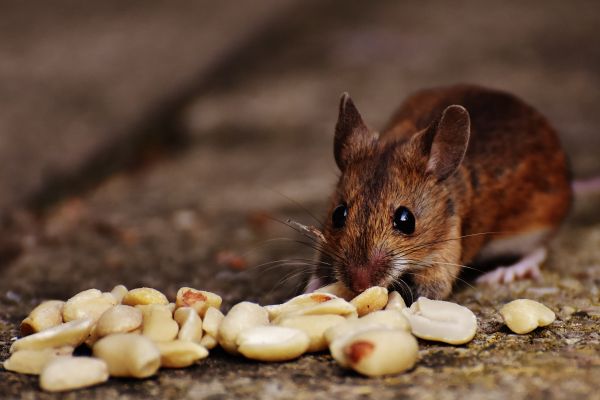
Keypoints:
(298, 303)
(314, 326)
(272, 343)
(242, 317)
(441, 321)
(190, 324)
(44, 316)
(199, 300)
(128, 355)
(158, 323)
(90, 303)
(118, 319)
(524, 315)
(381, 352)
(68, 373)
(70, 334)
(372, 299)
(33, 361)
(337, 289)
(180, 353)
(395, 302)
(144, 296)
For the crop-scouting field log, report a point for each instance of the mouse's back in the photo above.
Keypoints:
(515, 164)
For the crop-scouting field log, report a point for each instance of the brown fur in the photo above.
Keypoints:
(513, 179)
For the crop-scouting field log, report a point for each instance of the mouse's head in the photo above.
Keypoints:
(392, 221)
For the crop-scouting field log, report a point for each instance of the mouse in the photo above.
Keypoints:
(461, 177)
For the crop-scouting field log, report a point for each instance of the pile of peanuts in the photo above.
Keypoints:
(133, 333)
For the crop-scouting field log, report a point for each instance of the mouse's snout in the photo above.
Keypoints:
(364, 275)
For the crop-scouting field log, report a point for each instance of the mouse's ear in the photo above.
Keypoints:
(447, 141)
(351, 134)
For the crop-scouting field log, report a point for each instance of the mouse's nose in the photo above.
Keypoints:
(360, 279)
(363, 276)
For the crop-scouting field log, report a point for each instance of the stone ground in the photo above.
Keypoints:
(158, 145)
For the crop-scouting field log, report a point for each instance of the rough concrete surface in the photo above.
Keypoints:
(257, 149)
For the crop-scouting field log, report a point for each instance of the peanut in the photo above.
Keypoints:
(335, 306)
(379, 319)
(87, 304)
(209, 342)
(199, 300)
(190, 324)
(44, 316)
(372, 299)
(144, 296)
(68, 334)
(180, 353)
(68, 373)
(272, 343)
(33, 361)
(395, 302)
(212, 320)
(119, 293)
(158, 323)
(524, 315)
(297, 303)
(314, 326)
(128, 355)
(441, 321)
(241, 317)
(381, 352)
(118, 319)
(337, 289)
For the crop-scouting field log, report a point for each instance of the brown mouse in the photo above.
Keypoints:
(463, 176)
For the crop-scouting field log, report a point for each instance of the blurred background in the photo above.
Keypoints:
(158, 143)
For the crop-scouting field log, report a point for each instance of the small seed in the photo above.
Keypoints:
(199, 300)
(119, 293)
(372, 299)
(33, 361)
(314, 326)
(209, 342)
(180, 353)
(395, 302)
(158, 323)
(441, 321)
(524, 315)
(118, 319)
(44, 316)
(381, 352)
(128, 355)
(71, 334)
(297, 303)
(144, 296)
(212, 320)
(90, 303)
(242, 317)
(68, 373)
(190, 324)
(272, 343)
(337, 289)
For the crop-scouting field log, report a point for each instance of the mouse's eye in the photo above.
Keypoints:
(404, 221)
(339, 216)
